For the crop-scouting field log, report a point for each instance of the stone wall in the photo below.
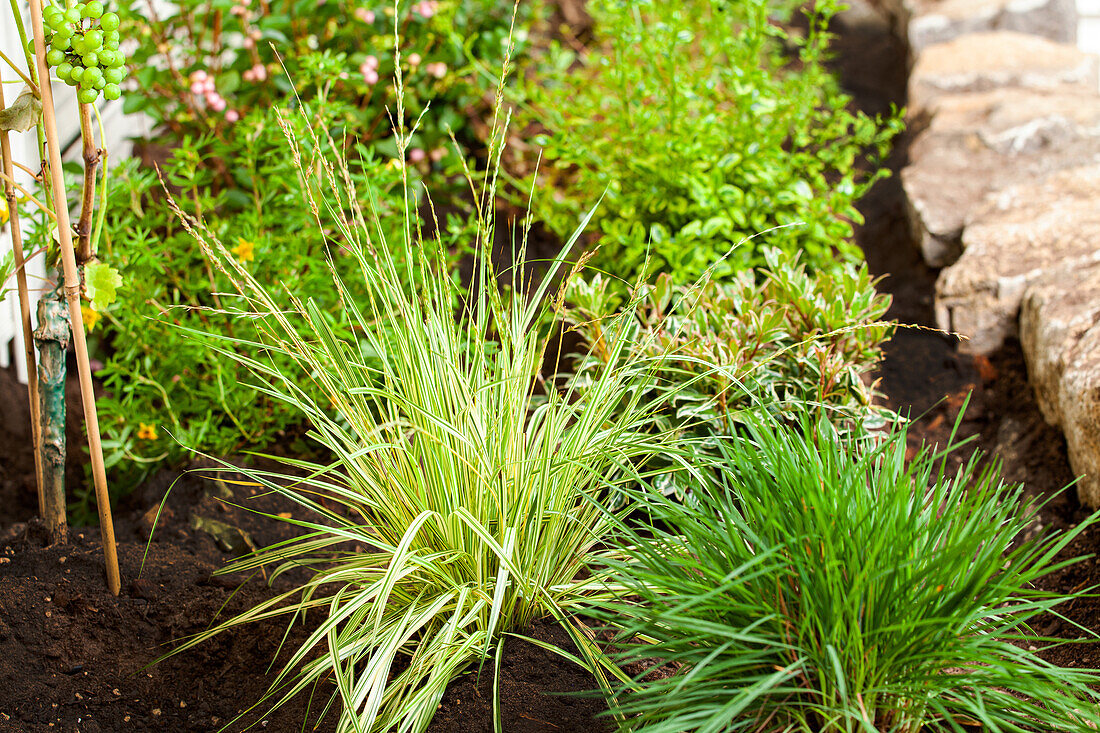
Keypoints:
(1003, 193)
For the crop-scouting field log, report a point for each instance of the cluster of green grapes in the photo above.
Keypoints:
(83, 49)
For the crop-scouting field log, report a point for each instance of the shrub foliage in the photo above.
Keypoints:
(795, 341)
(697, 124)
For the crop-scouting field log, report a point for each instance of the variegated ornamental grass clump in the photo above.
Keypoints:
(475, 498)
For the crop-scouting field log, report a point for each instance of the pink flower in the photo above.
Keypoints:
(256, 73)
(438, 154)
(416, 155)
(370, 62)
(437, 69)
(426, 8)
(248, 42)
(198, 88)
(367, 16)
(239, 10)
(414, 60)
(199, 75)
(232, 116)
(216, 102)
(370, 76)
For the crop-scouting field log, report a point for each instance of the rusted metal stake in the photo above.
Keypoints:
(52, 339)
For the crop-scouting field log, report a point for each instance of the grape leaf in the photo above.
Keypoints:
(101, 281)
(23, 113)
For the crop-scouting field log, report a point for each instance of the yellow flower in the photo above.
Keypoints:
(146, 432)
(244, 250)
(4, 211)
(90, 316)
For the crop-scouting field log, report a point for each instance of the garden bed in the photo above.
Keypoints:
(75, 658)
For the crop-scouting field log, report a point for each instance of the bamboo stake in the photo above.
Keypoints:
(24, 311)
(72, 296)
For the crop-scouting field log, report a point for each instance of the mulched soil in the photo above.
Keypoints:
(74, 658)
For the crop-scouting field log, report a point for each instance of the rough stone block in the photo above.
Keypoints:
(979, 143)
(1060, 333)
(938, 21)
(1020, 234)
(982, 62)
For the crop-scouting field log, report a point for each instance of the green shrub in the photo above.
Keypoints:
(699, 129)
(166, 387)
(827, 584)
(794, 341)
(211, 80)
(477, 509)
(201, 65)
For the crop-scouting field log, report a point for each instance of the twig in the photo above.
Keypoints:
(10, 181)
(26, 79)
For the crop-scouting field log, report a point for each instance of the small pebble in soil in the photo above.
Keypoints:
(156, 712)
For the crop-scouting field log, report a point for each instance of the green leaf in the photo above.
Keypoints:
(102, 281)
(23, 113)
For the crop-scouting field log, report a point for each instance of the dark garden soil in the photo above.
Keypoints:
(74, 658)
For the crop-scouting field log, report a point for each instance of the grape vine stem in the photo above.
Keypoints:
(91, 155)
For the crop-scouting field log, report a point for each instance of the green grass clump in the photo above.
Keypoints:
(826, 584)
